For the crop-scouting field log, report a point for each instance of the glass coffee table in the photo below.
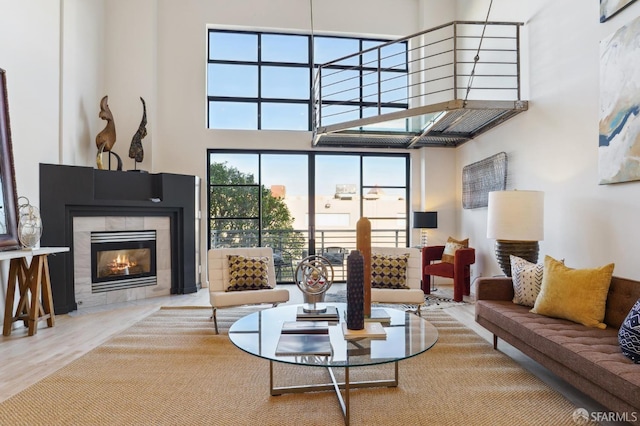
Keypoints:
(407, 335)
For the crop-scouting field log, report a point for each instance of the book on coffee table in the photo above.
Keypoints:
(303, 344)
(371, 330)
(305, 327)
(330, 314)
(378, 315)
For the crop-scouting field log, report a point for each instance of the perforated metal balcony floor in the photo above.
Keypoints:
(450, 124)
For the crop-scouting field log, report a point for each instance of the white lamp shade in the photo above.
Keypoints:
(516, 215)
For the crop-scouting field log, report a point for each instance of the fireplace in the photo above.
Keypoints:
(122, 260)
(110, 201)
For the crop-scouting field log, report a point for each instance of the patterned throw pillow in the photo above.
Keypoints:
(527, 279)
(451, 247)
(389, 271)
(248, 273)
(629, 334)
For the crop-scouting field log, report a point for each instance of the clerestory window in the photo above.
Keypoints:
(262, 81)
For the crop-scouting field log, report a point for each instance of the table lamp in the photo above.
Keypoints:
(515, 219)
(424, 221)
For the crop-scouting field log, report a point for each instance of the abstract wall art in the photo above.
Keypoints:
(619, 141)
(608, 8)
(482, 177)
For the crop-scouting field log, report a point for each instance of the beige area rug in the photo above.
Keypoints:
(171, 369)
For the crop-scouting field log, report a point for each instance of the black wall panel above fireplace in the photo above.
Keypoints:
(71, 191)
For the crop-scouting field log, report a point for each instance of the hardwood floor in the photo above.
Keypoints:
(28, 359)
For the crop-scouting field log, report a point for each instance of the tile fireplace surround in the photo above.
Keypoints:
(74, 198)
(82, 228)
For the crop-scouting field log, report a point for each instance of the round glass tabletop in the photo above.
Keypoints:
(259, 333)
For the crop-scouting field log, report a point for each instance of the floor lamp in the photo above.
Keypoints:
(515, 219)
(424, 221)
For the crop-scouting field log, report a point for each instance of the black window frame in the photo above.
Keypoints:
(362, 69)
(311, 155)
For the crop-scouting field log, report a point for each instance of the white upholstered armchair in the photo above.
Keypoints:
(218, 267)
(414, 294)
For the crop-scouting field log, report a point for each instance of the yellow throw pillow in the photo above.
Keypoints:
(579, 295)
(451, 247)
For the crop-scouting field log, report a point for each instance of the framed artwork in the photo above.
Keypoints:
(608, 8)
(482, 177)
(619, 138)
(8, 195)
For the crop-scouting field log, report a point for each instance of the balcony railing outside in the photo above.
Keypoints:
(291, 246)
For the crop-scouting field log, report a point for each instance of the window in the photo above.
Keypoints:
(300, 202)
(262, 81)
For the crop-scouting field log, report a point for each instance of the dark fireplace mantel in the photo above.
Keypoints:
(71, 191)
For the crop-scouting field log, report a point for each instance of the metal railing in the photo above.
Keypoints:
(291, 246)
(461, 60)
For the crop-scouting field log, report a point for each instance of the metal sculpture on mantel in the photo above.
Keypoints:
(135, 150)
(107, 137)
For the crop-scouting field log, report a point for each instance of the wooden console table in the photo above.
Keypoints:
(34, 286)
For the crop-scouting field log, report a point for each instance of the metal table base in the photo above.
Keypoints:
(347, 385)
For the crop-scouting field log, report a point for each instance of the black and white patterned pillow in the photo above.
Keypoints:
(527, 279)
(629, 334)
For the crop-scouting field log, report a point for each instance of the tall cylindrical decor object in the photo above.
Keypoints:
(363, 244)
(355, 293)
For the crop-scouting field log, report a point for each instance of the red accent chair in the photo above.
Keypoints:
(459, 270)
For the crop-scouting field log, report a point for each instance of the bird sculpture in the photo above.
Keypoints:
(135, 150)
(107, 137)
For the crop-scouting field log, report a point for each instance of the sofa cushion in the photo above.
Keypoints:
(448, 255)
(248, 273)
(389, 271)
(527, 279)
(629, 334)
(579, 295)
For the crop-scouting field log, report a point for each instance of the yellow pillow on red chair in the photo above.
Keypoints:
(451, 247)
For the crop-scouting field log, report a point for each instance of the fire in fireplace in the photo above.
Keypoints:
(122, 259)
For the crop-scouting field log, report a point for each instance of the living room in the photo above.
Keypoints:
(62, 57)
(119, 48)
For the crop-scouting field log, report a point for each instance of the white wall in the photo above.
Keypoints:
(553, 147)
(130, 72)
(82, 80)
(29, 53)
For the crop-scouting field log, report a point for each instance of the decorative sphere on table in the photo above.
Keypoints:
(314, 276)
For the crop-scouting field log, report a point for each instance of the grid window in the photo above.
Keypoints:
(262, 81)
(304, 202)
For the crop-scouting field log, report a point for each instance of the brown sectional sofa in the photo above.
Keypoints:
(588, 358)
